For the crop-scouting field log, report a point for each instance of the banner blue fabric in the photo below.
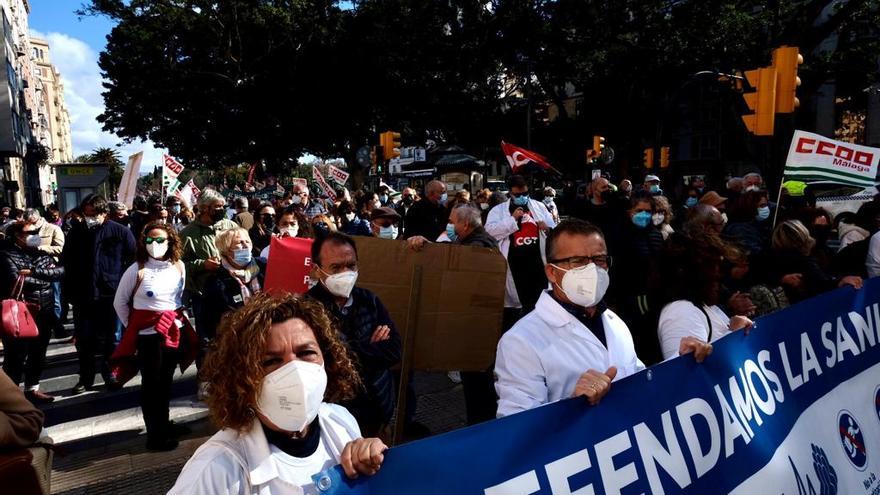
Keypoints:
(793, 407)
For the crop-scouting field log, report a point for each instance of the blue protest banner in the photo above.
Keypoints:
(793, 407)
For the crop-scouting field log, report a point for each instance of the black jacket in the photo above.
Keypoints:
(221, 294)
(426, 219)
(95, 259)
(38, 285)
(356, 325)
(479, 237)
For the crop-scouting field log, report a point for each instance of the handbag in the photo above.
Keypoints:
(18, 322)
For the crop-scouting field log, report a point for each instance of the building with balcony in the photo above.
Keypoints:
(53, 119)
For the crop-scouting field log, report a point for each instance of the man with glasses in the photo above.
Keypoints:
(520, 226)
(95, 255)
(365, 325)
(200, 253)
(571, 344)
(300, 198)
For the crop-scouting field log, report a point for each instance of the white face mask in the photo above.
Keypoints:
(389, 232)
(584, 286)
(33, 241)
(658, 218)
(340, 284)
(724, 217)
(752, 188)
(292, 394)
(349, 216)
(292, 230)
(157, 250)
(484, 206)
(295, 199)
(92, 221)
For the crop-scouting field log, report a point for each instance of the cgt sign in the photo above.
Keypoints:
(815, 158)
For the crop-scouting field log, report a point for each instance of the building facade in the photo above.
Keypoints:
(53, 118)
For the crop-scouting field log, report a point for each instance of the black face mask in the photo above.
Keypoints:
(268, 222)
(407, 201)
(605, 195)
(218, 215)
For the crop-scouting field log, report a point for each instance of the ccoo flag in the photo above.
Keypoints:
(519, 158)
(815, 158)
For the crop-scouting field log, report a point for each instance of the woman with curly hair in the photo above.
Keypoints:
(148, 303)
(278, 413)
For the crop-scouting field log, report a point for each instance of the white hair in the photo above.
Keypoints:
(209, 196)
(470, 214)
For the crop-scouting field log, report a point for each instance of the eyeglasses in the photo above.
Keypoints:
(519, 195)
(602, 260)
(150, 240)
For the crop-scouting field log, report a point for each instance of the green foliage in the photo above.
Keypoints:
(221, 83)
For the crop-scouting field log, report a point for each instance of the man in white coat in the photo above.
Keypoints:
(571, 344)
(520, 226)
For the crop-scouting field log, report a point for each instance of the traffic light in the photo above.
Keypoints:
(648, 158)
(762, 102)
(598, 145)
(786, 60)
(664, 157)
(390, 142)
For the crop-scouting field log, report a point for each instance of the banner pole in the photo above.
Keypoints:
(409, 346)
(778, 200)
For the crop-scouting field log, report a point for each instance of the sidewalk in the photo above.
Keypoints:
(118, 463)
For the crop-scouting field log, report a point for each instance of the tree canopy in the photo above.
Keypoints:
(220, 83)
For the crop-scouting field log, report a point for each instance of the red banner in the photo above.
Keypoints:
(173, 167)
(251, 172)
(289, 264)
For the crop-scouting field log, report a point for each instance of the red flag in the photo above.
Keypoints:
(289, 264)
(251, 172)
(520, 157)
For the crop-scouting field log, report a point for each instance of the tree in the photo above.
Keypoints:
(109, 157)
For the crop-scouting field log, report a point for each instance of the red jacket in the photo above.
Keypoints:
(122, 362)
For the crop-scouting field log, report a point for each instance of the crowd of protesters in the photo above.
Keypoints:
(639, 276)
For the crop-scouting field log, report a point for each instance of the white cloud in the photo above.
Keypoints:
(78, 64)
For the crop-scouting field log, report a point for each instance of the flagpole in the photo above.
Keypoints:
(778, 201)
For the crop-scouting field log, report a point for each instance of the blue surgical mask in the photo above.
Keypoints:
(642, 219)
(389, 232)
(655, 189)
(175, 209)
(242, 257)
(443, 198)
(521, 200)
(450, 232)
(383, 198)
(763, 213)
(691, 202)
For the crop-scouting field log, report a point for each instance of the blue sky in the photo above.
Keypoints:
(74, 45)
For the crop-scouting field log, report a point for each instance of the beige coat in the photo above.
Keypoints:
(51, 239)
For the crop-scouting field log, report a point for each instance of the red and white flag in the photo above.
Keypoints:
(338, 176)
(520, 157)
(251, 172)
(316, 174)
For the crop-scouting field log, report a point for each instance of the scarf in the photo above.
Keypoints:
(247, 277)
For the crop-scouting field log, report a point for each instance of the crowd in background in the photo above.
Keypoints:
(149, 285)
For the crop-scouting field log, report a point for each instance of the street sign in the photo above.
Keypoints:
(420, 155)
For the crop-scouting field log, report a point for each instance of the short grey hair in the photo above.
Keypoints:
(753, 174)
(32, 215)
(241, 202)
(116, 206)
(210, 196)
(470, 214)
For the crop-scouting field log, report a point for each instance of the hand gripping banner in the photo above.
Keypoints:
(793, 407)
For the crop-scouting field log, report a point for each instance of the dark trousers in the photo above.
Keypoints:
(156, 363)
(480, 399)
(28, 355)
(206, 335)
(94, 325)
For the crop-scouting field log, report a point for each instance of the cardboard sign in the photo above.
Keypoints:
(128, 185)
(316, 175)
(290, 261)
(452, 304)
(337, 175)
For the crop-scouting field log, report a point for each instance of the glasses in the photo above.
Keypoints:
(519, 195)
(150, 240)
(602, 260)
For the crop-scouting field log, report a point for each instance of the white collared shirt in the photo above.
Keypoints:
(540, 359)
(233, 463)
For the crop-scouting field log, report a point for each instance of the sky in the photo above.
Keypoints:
(74, 45)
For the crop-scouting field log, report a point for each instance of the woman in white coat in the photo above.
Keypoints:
(693, 269)
(277, 360)
(571, 344)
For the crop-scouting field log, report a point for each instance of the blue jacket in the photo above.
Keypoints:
(356, 325)
(94, 260)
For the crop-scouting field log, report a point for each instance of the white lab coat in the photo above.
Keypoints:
(680, 319)
(540, 359)
(229, 463)
(500, 224)
(872, 260)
